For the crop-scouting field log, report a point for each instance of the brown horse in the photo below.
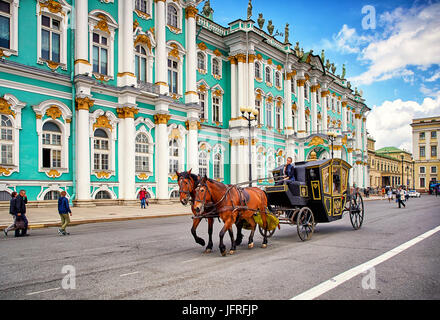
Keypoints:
(232, 204)
(188, 183)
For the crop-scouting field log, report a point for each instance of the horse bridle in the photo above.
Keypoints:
(211, 204)
(187, 193)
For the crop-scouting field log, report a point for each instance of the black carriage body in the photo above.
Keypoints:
(320, 185)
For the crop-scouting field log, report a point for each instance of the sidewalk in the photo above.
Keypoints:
(48, 217)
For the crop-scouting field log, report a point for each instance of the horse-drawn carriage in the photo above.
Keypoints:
(320, 194)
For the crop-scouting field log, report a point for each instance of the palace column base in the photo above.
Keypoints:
(163, 201)
(84, 203)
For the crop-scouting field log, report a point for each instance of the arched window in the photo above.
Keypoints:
(5, 196)
(268, 75)
(103, 195)
(142, 5)
(293, 86)
(201, 61)
(278, 117)
(203, 163)
(173, 156)
(277, 80)
(257, 70)
(175, 194)
(216, 109)
(258, 108)
(52, 146)
(215, 67)
(280, 161)
(6, 141)
(173, 76)
(260, 166)
(217, 166)
(202, 100)
(141, 63)
(52, 195)
(172, 16)
(269, 114)
(270, 163)
(101, 155)
(143, 154)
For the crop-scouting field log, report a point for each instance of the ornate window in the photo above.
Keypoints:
(103, 195)
(52, 195)
(50, 38)
(218, 166)
(173, 16)
(143, 6)
(258, 108)
(144, 154)
(202, 99)
(293, 86)
(201, 61)
(269, 107)
(278, 117)
(173, 156)
(9, 26)
(173, 76)
(260, 166)
(141, 65)
(280, 161)
(100, 54)
(268, 75)
(203, 163)
(216, 68)
(278, 80)
(258, 70)
(270, 163)
(6, 141)
(52, 145)
(294, 119)
(216, 109)
(101, 146)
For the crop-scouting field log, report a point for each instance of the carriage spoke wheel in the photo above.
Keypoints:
(305, 224)
(269, 232)
(356, 211)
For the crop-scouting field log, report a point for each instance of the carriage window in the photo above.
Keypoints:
(326, 179)
(344, 175)
(336, 175)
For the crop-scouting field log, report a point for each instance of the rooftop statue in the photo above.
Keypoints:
(301, 54)
(322, 56)
(207, 10)
(249, 10)
(261, 20)
(333, 68)
(327, 65)
(270, 27)
(286, 34)
(348, 85)
(297, 49)
(343, 71)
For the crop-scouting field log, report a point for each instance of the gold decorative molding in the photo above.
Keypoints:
(127, 112)
(142, 15)
(324, 93)
(53, 6)
(82, 61)
(358, 116)
(307, 77)
(202, 46)
(269, 61)
(161, 118)
(5, 107)
(54, 112)
(193, 125)
(307, 112)
(191, 12)
(252, 58)
(294, 106)
(301, 82)
(241, 58)
(202, 88)
(259, 57)
(143, 176)
(5, 171)
(38, 116)
(102, 24)
(102, 122)
(143, 39)
(344, 104)
(316, 141)
(232, 60)
(174, 29)
(3, 54)
(174, 52)
(102, 175)
(84, 103)
(217, 93)
(101, 77)
(53, 173)
(123, 74)
(279, 67)
(135, 24)
(175, 134)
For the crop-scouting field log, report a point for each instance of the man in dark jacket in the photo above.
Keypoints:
(289, 170)
(11, 212)
(20, 209)
(64, 211)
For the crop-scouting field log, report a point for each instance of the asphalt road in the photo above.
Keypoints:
(158, 259)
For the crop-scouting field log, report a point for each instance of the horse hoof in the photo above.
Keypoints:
(231, 252)
(251, 245)
(207, 251)
(223, 253)
(264, 246)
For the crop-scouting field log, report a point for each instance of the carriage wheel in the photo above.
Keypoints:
(356, 211)
(305, 224)
(269, 232)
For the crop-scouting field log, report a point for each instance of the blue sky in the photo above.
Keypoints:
(396, 64)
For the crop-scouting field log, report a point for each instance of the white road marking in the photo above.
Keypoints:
(44, 291)
(191, 260)
(328, 285)
(129, 274)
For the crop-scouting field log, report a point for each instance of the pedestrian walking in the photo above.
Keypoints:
(383, 193)
(390, 195)
(400, 195)
(12, 213)
(142, 197)
(21, 219)
(147, 198)
(406, 195)
(64, 212)
(437, 191)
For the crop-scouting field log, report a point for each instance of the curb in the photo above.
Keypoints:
(102, 220)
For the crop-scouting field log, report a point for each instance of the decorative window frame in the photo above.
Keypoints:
(53, 187)
(258, 79)
(202, 87)
(269, 100)
(179, 28)
(280, 154)
(220, 66)
(260, 155)
(219, 149)
(11, 107)
(176, 52)
(279, 106)
(59, 10)
(271, 154)
(111, 131)
(177, 132)
(271, 76)
(217, 92)
(47, 108)
(102, 23)
(147, 41)
(146, 126)
(280, 78)
(106, 189)
(259, 96)
(202, 71)
(13, 27)
(143, 15)
(207, 152)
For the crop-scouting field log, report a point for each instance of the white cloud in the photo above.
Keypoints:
(434, 77)
(389, 123)
(411, 38)
(346, 41)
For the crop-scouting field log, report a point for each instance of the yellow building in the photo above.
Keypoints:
(425, 132)
(389, 166)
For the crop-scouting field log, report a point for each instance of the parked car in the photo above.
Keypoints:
(414, 194)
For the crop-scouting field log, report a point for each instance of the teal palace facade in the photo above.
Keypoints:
(101, 98)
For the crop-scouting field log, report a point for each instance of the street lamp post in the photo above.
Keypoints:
(250, 115)
(332, 138)
(401, 156)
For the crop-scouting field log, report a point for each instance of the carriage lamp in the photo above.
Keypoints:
(249, 114)
(332, 137)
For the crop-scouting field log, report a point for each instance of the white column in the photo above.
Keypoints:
(241, 59)
(83, 104)
(161, 50)
(288, 102)
(290, 148)
(350, 161)
(344, 116)
(191, 57)
(126, 76)
(234, 161)
(250, 81)
(314, 110)
(82, 64)
(162, 159)
(234, 107)
(324, 103)
(301, 111)
(358, 132)
(192, 151)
